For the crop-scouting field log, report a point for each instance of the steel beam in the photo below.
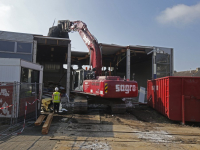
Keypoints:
(172, 63)
(128, 63)
(34, 49)
(68, 70)
(154, 65)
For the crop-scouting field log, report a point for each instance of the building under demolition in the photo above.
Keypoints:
(139, 63)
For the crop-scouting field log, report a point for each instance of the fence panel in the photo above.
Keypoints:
(19, 103)
(6, 103)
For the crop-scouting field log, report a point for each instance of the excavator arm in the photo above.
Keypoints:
(90, 41)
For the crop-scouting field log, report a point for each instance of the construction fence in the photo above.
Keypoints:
(19, 103)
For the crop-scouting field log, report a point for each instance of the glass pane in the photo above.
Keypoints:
(26, 90)
(163, 68)
(24, 47)
(24, 75)
(7, 46)
(162, 58)
(34, 76)
(76, 80)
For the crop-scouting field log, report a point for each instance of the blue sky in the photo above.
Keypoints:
(171, 23)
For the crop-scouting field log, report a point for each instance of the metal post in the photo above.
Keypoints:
(183, 109)
(110, 70)
(68, 70)
(172, 63)
(34, 51)
(154, 65)
(17, 90)
(12, 113)
(183, 104)
(128, 63)
(101, 55)
(35, 102)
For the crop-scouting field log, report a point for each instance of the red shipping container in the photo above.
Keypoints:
(178, 98)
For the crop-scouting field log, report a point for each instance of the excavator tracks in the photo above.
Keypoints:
(80, 104)
(118, 108)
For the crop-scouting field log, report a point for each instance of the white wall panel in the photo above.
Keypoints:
(9, 73)
(9, 62)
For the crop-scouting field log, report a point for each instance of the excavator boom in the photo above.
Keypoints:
(90, 41)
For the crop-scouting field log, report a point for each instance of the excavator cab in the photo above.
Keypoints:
(80, 76)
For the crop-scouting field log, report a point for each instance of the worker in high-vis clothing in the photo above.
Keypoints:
(56, 100)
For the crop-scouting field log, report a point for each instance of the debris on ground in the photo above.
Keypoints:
(155, 136)
(139, 128)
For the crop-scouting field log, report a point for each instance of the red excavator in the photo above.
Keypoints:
(93, 88)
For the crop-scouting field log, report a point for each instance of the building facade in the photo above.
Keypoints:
(16, 45)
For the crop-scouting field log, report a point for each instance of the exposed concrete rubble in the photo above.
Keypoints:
(156, 136)
(101, 130)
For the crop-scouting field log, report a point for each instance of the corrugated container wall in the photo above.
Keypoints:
(10, 70)
(178, 98)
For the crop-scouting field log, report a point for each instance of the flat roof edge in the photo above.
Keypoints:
(21, 33)
(53, 38)
(130, 46)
